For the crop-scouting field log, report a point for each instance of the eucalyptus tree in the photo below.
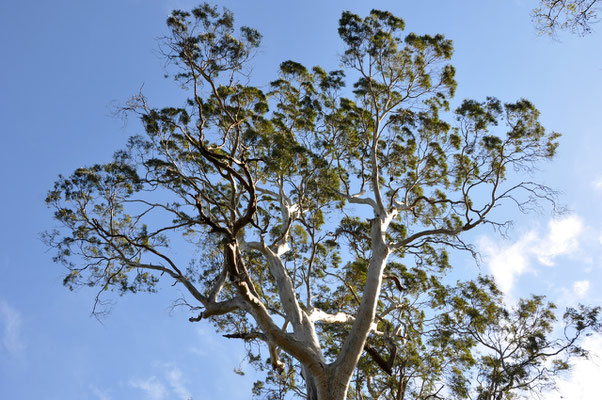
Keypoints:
(576, 16)
(304, 204)
(461, 342)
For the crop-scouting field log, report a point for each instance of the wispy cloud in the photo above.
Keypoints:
(99, 394)
(582, 382)
(232, 354)
(170, 384)
(597, 184)
(154, 389)
(10, 321)
(176, 381)
(580, 288)
(562, 238)
(506, 262)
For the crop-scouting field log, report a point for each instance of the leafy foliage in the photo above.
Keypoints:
(319, 219)
(576, 16)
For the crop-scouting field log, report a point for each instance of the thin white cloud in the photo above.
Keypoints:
(580, 288)
(10, 321)
(562, 238)
(597, 184)
(583, 381)
(209, 343)
(231, 353)
(176, 381)
(506, 262)
(99, 394)
(171, 384)
(154, 389)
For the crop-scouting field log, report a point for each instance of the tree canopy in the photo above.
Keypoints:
(318, 218)
(576, 16)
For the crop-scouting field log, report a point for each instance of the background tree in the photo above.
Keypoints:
(575, 16)
(461, 342)
(302, 206)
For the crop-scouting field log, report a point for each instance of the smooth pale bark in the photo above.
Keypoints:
(334, 383)
(306, 354)
(303, 327)
(367, 310)
(326, 382)
(310, 384)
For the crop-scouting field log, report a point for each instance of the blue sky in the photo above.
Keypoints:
(65, 64)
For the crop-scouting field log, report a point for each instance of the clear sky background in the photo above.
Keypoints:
(64, 66)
